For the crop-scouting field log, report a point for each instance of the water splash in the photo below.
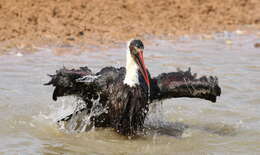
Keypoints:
(64, 107)
(81, 119)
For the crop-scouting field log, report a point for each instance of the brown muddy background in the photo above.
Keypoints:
(30, 23)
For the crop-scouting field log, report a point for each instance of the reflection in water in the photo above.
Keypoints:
(28, 115)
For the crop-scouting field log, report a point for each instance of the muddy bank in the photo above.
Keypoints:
(30, 23)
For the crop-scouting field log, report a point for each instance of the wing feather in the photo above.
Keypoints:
(185, 84)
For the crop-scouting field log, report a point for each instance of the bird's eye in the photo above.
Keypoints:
(140, 46)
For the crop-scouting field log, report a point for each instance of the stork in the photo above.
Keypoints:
(125, 93)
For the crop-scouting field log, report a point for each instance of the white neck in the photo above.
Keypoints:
(131, 77)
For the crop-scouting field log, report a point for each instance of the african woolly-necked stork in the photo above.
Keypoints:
(125, 93)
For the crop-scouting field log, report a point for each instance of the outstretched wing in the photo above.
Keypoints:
(184, 84)
(88, 86)
(65, 81)
(82, 82)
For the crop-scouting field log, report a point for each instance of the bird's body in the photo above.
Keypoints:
(125, 93)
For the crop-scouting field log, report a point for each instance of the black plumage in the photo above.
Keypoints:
(125, 107)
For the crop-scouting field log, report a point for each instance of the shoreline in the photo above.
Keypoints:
(60, 48)
(102, 24)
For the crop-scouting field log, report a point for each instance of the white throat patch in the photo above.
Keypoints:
(131, 77)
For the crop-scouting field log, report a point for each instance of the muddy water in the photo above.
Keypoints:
(231, 126)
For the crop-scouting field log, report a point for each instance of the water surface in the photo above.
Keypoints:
(231, 125)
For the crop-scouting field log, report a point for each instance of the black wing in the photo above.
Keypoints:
(184, 84)
(65, 81)
(82, 82)
(88, 86)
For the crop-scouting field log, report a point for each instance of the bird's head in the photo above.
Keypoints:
(136, 49)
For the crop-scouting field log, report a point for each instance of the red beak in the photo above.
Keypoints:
(140, 61)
